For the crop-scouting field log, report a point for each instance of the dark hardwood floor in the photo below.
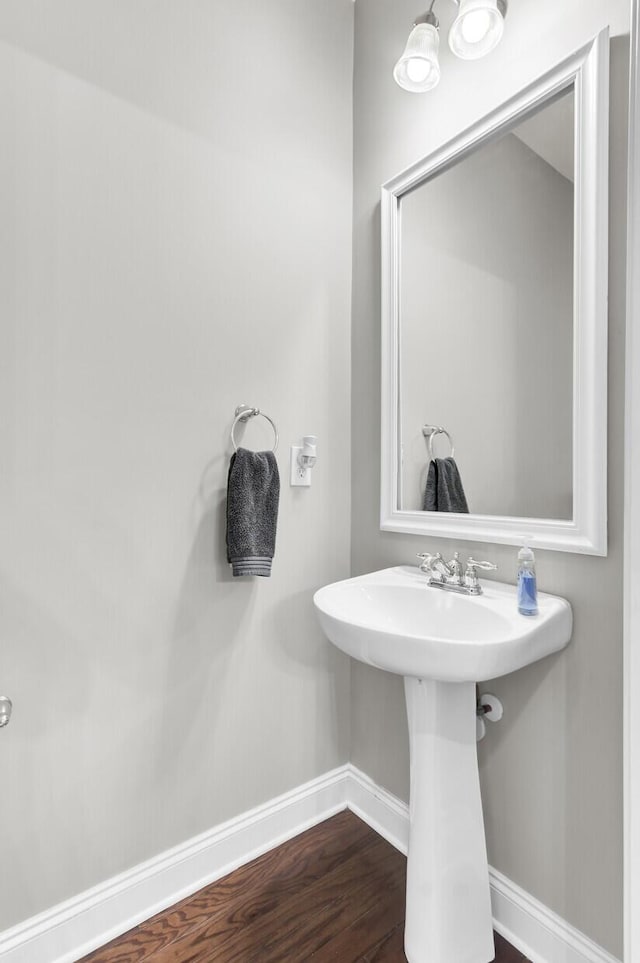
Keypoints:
(334, 893)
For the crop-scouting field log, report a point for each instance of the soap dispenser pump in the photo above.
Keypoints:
(527, 585)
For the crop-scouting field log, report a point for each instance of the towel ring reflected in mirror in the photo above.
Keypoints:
(430, 432)
(243, 413)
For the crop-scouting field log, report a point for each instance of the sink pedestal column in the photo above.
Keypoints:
(448, 914)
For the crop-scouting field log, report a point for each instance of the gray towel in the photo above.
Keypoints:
(253, 489)
(443, 491)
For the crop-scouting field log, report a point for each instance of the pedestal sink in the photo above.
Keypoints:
(442, 643)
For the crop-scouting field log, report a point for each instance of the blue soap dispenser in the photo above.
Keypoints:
(527, 587)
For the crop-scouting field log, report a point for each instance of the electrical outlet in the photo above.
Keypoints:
(300, 477)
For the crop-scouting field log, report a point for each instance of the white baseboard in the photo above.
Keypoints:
(387, 814)
(543, 936)
(70, 930)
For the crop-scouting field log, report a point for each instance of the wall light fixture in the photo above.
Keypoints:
(476, 30)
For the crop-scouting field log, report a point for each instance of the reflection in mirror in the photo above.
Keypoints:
(486, 321)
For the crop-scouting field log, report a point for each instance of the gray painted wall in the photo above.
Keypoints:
(176, 240)
(486, 331)
(552, 771)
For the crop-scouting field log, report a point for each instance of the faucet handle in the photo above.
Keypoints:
(427, 560)
(473, 566)
(471, 574)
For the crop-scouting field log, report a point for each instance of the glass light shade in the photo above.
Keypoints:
(418, 68)
(477, 29)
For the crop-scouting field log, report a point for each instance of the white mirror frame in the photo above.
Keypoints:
(586, 532)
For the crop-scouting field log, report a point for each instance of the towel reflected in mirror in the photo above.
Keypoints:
(444, 491)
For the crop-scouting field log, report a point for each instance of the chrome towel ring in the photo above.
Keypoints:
(430, 431)
(243, 413)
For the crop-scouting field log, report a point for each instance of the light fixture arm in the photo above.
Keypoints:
(502, 5)
(430, 17)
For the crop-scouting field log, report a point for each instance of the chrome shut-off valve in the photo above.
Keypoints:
(6, 707)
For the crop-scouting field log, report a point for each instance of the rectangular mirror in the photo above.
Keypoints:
(494, 321)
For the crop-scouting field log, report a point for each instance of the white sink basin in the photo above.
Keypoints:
(393, 620)
(442, 643)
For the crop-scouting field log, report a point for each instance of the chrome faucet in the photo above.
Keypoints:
(449, 575)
